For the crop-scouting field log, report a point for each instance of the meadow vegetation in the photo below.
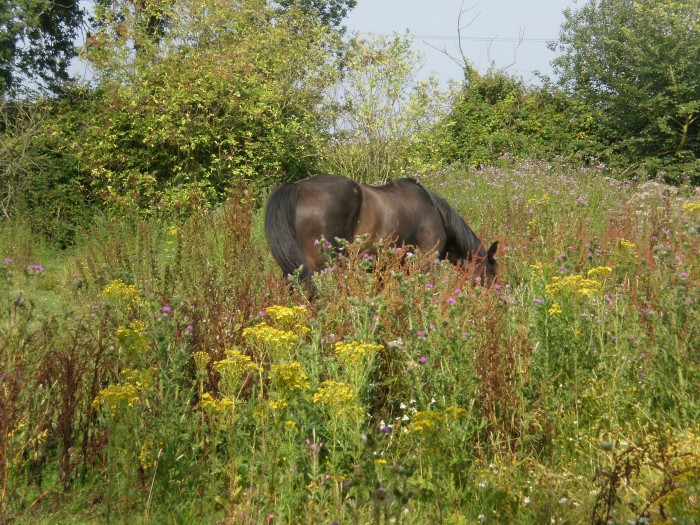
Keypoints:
(163, 372)
(156, 367)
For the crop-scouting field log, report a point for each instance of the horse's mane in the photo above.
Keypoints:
(459, 235)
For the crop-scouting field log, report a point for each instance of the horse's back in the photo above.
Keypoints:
(327, 207)
(403, 212)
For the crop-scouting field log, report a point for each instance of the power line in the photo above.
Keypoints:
(473, 38)
(485, 39)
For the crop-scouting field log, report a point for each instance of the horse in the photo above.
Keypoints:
(403, 212)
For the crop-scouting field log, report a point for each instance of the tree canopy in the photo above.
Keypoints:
(37, 42)
(638, 64)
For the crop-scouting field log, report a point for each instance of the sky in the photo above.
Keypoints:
(494, 28)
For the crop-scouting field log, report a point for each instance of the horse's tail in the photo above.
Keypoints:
(280, 214)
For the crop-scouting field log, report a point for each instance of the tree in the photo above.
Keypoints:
(330, 12)
(227, 94)
(37, 42)
(638, 64)
(496, 115)
(382, 111)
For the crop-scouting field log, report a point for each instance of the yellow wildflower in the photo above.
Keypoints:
(211, 405)
(286, 316)
(132, 338)
(126, 394)
(425, 421)
(599, 272)
(278, 405)
(201, 360)
(355, 353)
(626, 248)
(555, 309)
(692, 207)
(573, 283)
(541, 201)
(266, 334)
(289, 378)
(234, 367)
(453, 412)
(337, 397)
(119, 290)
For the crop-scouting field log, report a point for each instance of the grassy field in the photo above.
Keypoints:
(164, 373)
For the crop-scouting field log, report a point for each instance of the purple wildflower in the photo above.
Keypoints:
(497, 287)
(326, 245)
(684, 275)
(538, 300)
(420, 334)
(457, 291)
(8, 260)
(190, 328)
(665, 231)
(429, 286)
(423, 360)
(166, 309)
(261, 314)
(36, 268)
(451, 300)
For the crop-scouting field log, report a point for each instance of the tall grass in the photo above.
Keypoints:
(166, 373)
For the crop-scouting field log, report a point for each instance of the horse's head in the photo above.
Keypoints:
(483, 268)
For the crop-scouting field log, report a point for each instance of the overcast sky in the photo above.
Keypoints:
(491, 36)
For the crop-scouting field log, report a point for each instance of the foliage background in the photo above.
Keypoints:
(156, 367)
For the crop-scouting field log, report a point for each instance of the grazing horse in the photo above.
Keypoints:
(333, 207)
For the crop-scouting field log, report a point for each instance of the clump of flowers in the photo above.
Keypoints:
(120, 291)
(541, 201)
(356, 353)
(126, 394)
(234, 368)
(201, 360)
(132, 339)
(337, 397)
(626, 248)
(287, 381)
(289, 378)
(215, 406)
(579, 284)
(537, 269)
(287, 317)
(425, 422)
(274, 338)
(554, 310)
(691, 207)
(599, 272)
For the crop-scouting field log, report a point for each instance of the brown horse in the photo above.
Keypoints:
(332, 207)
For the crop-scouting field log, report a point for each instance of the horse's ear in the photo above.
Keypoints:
(491, 254)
